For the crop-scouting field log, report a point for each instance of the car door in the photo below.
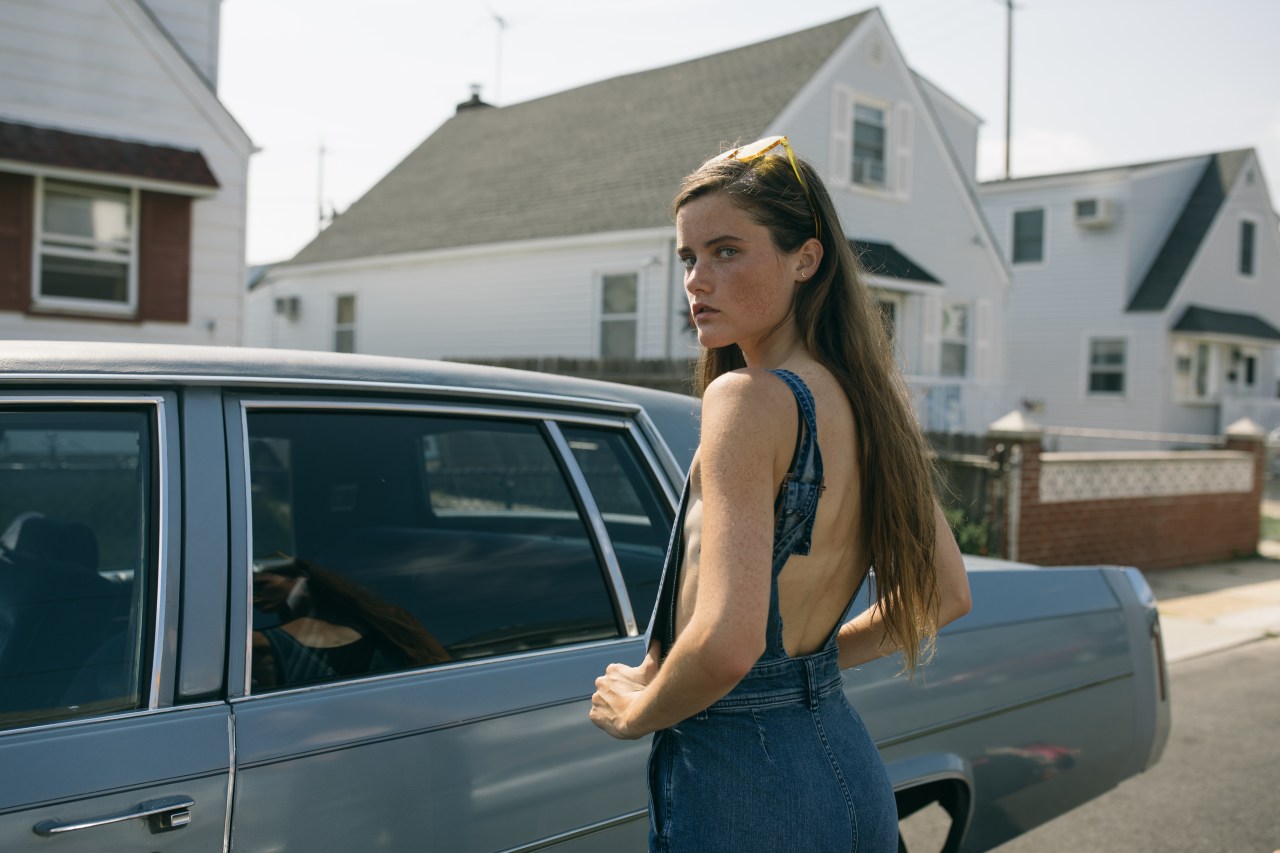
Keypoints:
(99, 749)
(434, 588)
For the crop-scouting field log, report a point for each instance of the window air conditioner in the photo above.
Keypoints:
(1094, 212)
(289, 306)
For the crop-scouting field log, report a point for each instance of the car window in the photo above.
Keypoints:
(636, 516)
(76, 496)
(386, 541)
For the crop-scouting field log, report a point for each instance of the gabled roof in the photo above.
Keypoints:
(604, 157)
(1211, 321)
(1184, 239)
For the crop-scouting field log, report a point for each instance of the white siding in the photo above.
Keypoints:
(934, 222)
(194, 25)
(101, 67)
(509, 301)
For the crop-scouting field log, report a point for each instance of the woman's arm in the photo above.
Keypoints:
(864, 639)
(746, 416)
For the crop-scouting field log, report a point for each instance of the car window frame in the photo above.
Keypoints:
(163, 546)
(542, 412)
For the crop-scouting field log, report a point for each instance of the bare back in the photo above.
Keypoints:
(813, 590)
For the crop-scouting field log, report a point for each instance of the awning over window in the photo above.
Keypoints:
(62, 149)
(1209, 321)
(884, 259)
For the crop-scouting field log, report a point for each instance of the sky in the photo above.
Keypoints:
(1095, 82)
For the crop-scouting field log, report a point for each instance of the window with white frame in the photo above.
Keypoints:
(1248, 230)
(87, 256)
(870, 134)
(1107, 358)
(344, 324)
(888, 306)
(1242, 369)
(1195, 370)
(619, 302)
(954, 339)
(871, 142)
(1028, 236)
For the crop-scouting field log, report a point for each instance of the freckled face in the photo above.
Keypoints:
(740, 287)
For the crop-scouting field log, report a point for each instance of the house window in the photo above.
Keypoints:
(618, 305)
(955, 340)
(869, 133)
(1247, 230)
(87, 255)
(1106, 365)
(344, 325)
(1028, 236)
(1195, 370)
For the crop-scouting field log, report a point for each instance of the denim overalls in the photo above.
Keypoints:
(782, 763)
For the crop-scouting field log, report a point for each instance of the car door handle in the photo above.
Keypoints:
(170, 813)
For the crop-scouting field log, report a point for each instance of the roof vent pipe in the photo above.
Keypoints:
(475, 102)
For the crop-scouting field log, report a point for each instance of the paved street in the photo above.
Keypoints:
(1217, 789)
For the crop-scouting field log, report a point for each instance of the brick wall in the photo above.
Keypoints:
(1150, 532)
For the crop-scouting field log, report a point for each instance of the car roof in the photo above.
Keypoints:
(81, 362)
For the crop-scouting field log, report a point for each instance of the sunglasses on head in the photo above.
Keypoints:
(761, 147)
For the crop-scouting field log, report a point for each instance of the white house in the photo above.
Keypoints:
(543, 228)
(1146, 297)
(122, 176)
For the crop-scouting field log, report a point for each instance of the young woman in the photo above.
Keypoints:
(810, 472)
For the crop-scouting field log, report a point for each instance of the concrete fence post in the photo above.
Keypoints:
(1022, 438)
(1247, 436)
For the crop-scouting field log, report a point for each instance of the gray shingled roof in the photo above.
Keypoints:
(603, 157)
(1180, 247)
(1199, 319)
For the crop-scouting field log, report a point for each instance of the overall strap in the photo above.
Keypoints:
(796, 505)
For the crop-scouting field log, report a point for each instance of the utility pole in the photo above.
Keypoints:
(1008, 90)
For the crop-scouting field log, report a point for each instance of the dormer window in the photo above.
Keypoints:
(870, 143)
(869, 134)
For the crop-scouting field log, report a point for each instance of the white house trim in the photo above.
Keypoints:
(183, 74)
(84, 176)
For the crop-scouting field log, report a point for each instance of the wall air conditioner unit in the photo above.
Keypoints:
(290, 307)
(1094, 212)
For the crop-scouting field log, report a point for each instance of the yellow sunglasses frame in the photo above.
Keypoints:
(761, 147)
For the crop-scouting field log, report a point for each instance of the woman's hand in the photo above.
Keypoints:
(616, 694)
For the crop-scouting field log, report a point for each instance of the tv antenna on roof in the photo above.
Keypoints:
(497, 62)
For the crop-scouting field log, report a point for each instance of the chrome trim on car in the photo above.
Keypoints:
(596, 521)
(432, 407)
(664, 478)
(599, 826)
(231, 782)
(669, 464)
(248, 544)
(452, 666)
(180, 807)
(109, 717)
(161, 539)
(162, 552)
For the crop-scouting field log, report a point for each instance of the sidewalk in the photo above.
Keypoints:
(1208, 608)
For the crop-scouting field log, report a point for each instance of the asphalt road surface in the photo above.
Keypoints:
(1217, 788)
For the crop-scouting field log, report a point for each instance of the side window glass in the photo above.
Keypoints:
(76, 498)
(636, 516)
(390, 541)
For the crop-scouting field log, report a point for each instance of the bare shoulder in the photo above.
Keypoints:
(751, 405)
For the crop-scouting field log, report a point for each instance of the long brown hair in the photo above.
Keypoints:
(842, 328)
